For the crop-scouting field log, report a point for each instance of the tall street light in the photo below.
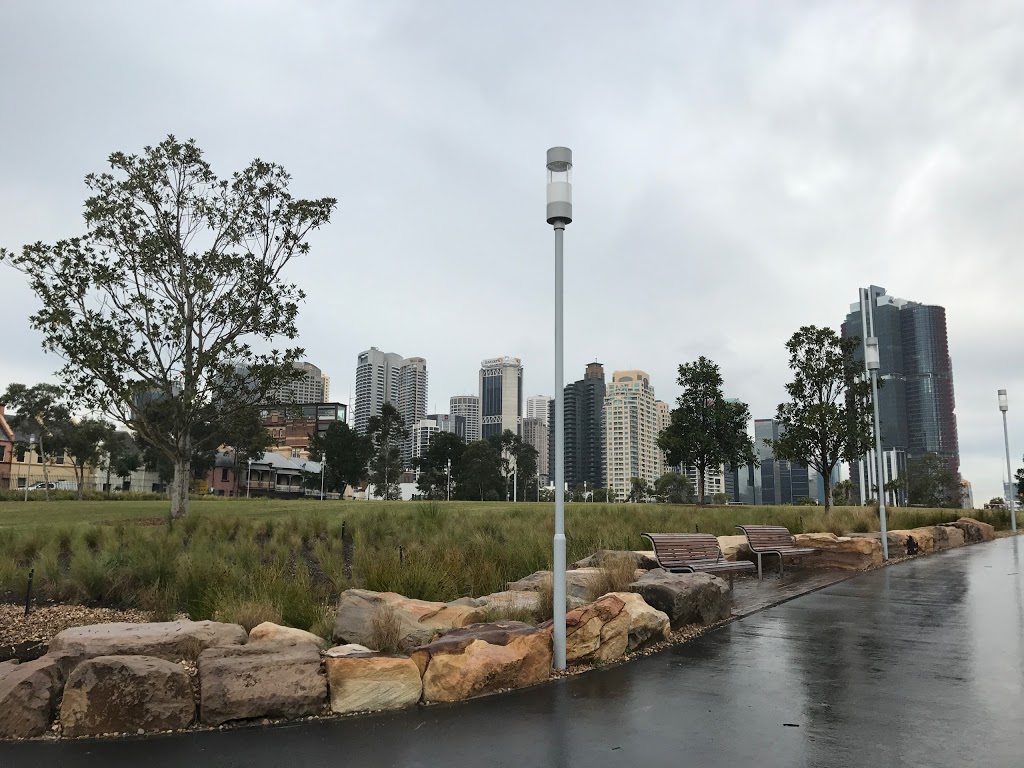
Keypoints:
(32, 447)
(559, 213)
(871, 358)
(1004, 406)
(248, 479)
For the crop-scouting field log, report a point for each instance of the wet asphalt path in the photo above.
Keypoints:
(918, 664)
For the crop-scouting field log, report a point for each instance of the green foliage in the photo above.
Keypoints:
(155, 308)
(827, 418)
(345, 455)
(706, 430)
(931, 482)
(433, 465)
(386, 433)
(479, 473)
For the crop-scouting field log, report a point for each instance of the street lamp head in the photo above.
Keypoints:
(32, 442)
(559, 185)
(871, 357)
(1004, 404)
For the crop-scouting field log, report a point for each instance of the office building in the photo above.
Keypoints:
(633, 418)
(537, 407)
(501, 396)
(742, 483)
(422, 433)
(715, 480)
(535, 433)
(467, 407)
(313, 387)
(387, 377)
(916, 402)
(782, 482)
(584, 429)
(449, 423)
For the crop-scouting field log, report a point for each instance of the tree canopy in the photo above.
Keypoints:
(166, 297)
(827, 418)
(931, 482)
(387, 433)
(706, 430)
(344, 455)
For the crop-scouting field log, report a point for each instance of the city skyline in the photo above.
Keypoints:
(781, 194)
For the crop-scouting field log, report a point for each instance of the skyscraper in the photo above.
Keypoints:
(633, 418)
(387, 377)
(584, 429)
(535, 433)
(537, 407)
(916, 403)
(313, 387)
(467, 407)
(782, 482)
(501, 396)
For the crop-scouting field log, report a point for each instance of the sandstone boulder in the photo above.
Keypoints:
(349, 649)
(7, 667)
(28, 695)
(974, 530)
(372, 682)
(275, 633)
(642, 559)
(260, 680)
(848, 553)
(734, 547)
(169, 640)
(686, 598)
(605, 629)
(931, 538)
(509, 600)
(483, 658)
(419, 620)
(577, 584)
(126, 694)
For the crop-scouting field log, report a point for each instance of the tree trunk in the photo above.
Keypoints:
(79, 478)
(827, 480)
(179, 488)
(108, 489)
(46, 473)
(700, 485)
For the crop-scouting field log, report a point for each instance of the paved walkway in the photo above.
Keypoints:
(919, 664)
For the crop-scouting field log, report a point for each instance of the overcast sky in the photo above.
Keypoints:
(741, 169)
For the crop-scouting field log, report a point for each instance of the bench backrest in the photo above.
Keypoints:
(768, 536)
(675, 549)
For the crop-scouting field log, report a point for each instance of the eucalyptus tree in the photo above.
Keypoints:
(175, 293)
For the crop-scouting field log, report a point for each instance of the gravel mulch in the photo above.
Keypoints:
(43, 622)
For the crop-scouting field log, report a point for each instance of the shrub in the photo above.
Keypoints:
(385, 629)
(506, 612)
(249, 612)
(546, 598)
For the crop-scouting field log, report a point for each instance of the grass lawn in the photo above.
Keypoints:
(249, 560)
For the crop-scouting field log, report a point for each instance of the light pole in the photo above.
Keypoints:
(323, 472)
(248, 478)
(1004, 406)
(449, 484)
(871, 358)
(28, 469)
(559, 214)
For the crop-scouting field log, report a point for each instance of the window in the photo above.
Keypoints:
(223, 474)
(59, 460)
(21, 482)
(20, 453)
(39, 458)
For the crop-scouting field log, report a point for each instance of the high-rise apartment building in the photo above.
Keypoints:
(501, 396)
(537, 407)
(584, 429)
(387, 377)
(313, 387)
(535, 433)
(633, 418)
(916, 403)
(450, 423)
(467, 407)
(782, 482)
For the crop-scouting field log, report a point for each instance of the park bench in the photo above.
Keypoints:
(772, 540)
(693, 552)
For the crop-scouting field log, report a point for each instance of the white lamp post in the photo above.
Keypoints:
(1004, 406)
(559, 214)
(872, 360)
(449, 483)
(248, 478)
(323, 471)
(28, 469)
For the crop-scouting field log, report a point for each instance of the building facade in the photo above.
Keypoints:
(387, 377)
(632, 421)
(291, 426)
(313, 387)
(916, 401)
(584, 429)
(782, 482)
(501, 396)
(467, 407)
(450, 423)
(537, 407)
(535, 433)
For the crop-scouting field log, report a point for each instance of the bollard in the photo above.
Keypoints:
(696, 528)
(28, 591)
(342, 531)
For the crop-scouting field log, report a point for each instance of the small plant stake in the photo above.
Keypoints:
(28, 591)
(401, 555)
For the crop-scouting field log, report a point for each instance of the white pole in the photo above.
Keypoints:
(1010, 502)
(880, 470)
(559, 563)
(248, 479)
(449, 479)
(323, 468)
(28, 469)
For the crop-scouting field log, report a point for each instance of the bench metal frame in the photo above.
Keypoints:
(700, 552)
(776, 536)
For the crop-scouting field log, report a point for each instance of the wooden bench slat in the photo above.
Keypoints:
(692, 552)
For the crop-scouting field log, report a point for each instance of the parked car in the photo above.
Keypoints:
(42, 486)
